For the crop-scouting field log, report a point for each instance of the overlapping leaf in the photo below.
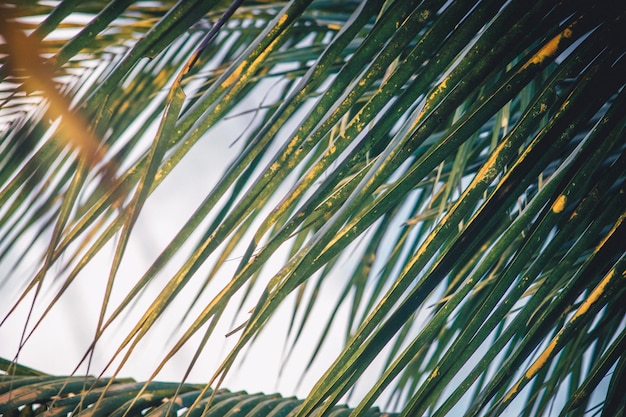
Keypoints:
(464, 159)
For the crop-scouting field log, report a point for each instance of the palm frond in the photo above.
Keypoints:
(454, 170)
(27, 394)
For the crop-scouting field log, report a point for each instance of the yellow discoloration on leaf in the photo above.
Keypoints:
(486, 174)
(282, 19)
(232, 78)
(593, 297)
(337, 236)
(550, 48)
(442, 86)
(161, 77)
(293, 145)
(539, 363)
(274, 167)
(542, 360)
(559, 204)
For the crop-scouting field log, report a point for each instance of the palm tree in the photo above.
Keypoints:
(453, 171)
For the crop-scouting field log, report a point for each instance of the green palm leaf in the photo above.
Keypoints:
(453, 171)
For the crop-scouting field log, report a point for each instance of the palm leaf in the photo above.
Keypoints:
(58, 395)
(458, 167)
